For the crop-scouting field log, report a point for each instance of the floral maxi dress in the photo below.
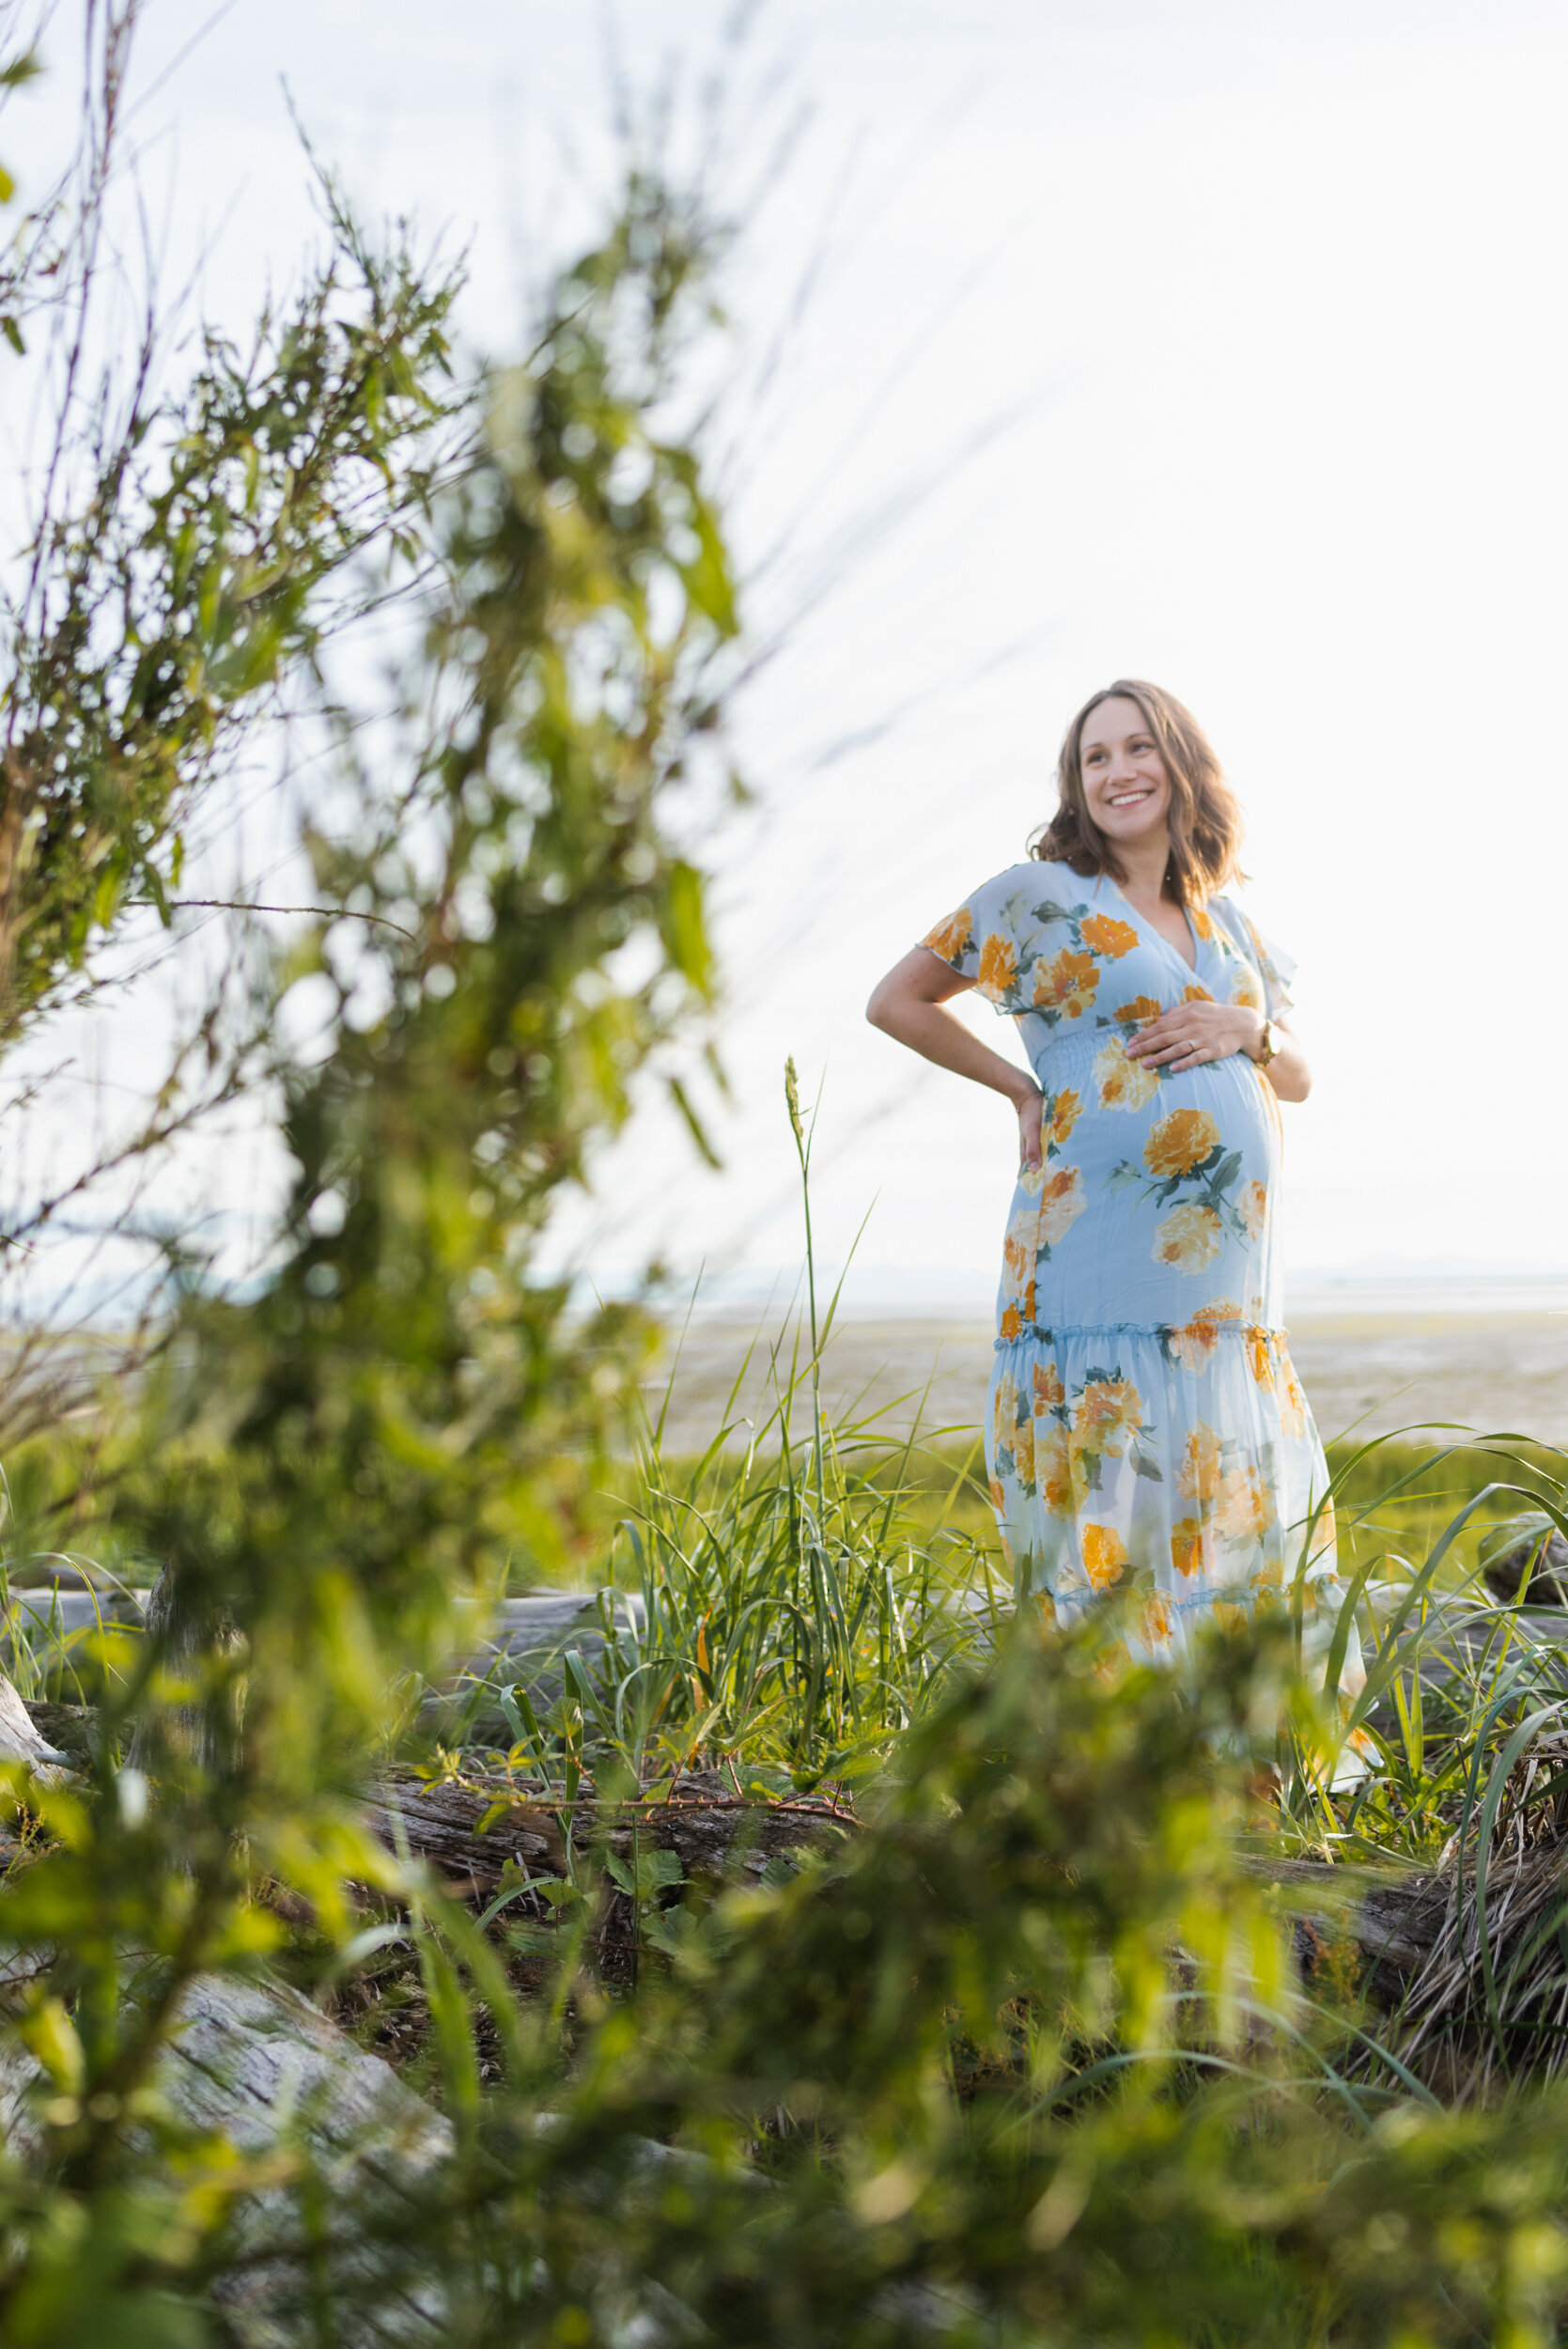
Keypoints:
(1146, 1428)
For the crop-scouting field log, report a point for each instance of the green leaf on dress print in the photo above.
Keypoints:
(1048, 911)
(1226, 1171)
(1145, 1466)
(1120, 1177)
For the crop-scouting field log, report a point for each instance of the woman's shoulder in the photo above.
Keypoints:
(1037, 889)
(1235, 925)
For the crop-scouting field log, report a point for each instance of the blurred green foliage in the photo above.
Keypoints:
(1023, 2056)
(195, 548)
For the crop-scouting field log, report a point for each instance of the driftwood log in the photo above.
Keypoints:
(715, 1837)
(1394, 1921)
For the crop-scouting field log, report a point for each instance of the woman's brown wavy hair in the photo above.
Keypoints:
(1204, 821)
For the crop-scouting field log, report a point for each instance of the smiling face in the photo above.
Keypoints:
(1127, 783)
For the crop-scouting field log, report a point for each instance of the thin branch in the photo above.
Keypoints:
(241, 905)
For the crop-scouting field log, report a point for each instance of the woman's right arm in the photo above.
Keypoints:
(908, 1006)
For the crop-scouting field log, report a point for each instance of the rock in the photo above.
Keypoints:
(1548, 1580)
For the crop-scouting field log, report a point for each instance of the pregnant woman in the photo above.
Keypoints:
(1145, 1430)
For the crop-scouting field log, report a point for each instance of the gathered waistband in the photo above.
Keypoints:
(1160, 1332)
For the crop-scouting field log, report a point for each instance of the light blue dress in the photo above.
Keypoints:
(1146, 1431)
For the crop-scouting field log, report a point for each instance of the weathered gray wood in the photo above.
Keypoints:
(71, 1728)
(1394, 1920)
(526, 1643)
(256, 2064)
(63, 1610)
(20, 1740)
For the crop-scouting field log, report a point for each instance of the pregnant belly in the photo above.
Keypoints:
(1156, 1203)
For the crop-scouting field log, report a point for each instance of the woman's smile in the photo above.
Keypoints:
(1125, 781)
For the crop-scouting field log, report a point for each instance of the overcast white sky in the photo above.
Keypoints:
(1274, 301)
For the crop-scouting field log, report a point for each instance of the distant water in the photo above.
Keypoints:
(1372, 1356)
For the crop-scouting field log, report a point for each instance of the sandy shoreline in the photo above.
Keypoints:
(1374, 1372)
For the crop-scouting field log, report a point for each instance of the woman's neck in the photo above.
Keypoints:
(1145, 864)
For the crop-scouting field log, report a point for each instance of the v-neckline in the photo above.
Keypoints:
(1169, 943)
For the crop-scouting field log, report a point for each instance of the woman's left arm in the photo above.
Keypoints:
(1189, 1034)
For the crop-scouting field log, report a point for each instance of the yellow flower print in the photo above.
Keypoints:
(1105, 1554)
(1017, 1266)
(1062, 1202)
(1142, 1008)
(1194, 1344)
(1253, 1206)
(999, 1498)
(1017, 1260)
(1201, 927)
(1293, 1403)
(1259, 1359)
(1156, 1620)
(1023, 1452)
(1189, 1238)
(1065, 1116)
(1198, 1478)
(1012, 1323)
(1245, 989)
(1109, 1410)
(1111, 939)
(1004, 1410)
(1180, 1141)
(1059, 1471)
(998, 966)
(1270, 1576)
(1067, 984)
(1230, 1617)
(1123, 1083)
(951, 936)
(1196, 995)
(1048, 1390)
(1187, 1547)
(1242, 1510)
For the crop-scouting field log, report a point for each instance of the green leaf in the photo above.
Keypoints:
(682, 1100)
(685, 928)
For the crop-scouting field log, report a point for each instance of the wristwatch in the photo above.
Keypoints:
(1273, 1043)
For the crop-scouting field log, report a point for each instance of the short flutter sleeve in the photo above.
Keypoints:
(1273, 967)
(979, 939)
